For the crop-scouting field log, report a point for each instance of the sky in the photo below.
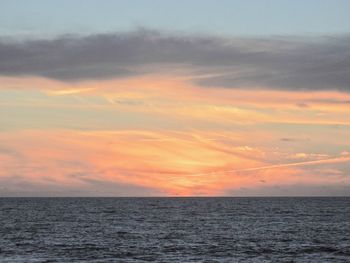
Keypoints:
(174, 98)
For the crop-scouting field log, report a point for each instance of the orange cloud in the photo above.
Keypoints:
(166, 135)
(172, 163)
(171, 96)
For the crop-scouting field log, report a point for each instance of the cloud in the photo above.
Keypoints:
(284, 165)
(145, 162)
(292, 190)
(290, 63)
(13, 186)
(119, 163)
(292, 139)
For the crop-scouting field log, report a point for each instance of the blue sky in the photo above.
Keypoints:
(230, 17)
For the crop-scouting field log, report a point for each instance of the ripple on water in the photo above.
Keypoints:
(175, 230)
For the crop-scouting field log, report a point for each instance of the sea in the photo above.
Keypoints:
(219, 229)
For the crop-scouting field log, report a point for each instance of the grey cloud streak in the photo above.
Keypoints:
(290, 63)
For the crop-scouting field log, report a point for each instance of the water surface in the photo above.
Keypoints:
(175, 229)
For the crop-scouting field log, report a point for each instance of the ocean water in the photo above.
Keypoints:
(175, 229)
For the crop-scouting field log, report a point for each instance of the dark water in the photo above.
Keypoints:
(175, 230)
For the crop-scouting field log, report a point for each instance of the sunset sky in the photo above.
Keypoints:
(174, 98)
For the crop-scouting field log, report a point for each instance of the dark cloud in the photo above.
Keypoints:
(279, 63)
(332, 101)
(289, 139)
(19, 186)
(302, 105)
(292, 190)
(10, 152)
